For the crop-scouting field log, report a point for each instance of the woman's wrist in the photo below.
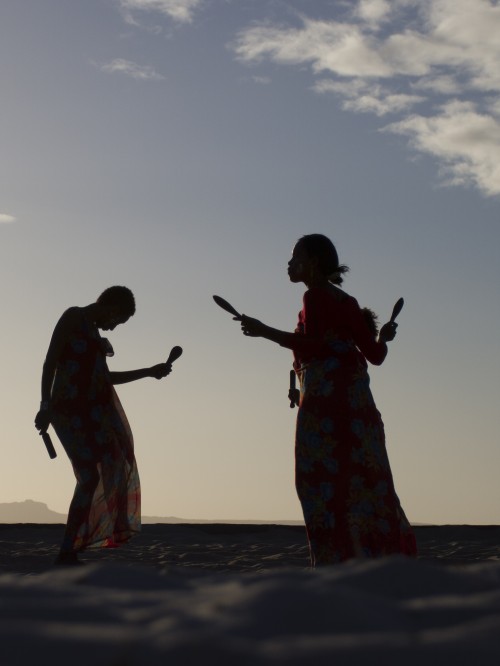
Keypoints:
(44, 406)
(382, 340)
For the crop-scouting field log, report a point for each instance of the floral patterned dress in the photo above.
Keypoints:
(343, 477)
(89, 421)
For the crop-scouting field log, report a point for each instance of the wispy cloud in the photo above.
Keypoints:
(143, 72)
(262, 80)
(467, 143)
(6, 219)
(181, 11)
(368, 97)
(440, 57)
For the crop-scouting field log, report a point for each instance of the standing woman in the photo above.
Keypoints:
(343, 477)
(79, 400)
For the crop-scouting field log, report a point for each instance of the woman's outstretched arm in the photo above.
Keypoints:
(256, 329)
(156, 371)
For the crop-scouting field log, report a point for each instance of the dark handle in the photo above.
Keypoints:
(48, 443)
(292, 386)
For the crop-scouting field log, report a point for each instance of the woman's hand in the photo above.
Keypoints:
(388, 331)
(160, 370)
(252, 327)
(294, 397)
(42, 420)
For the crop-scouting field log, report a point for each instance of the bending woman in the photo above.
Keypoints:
(343, 477)
(79, 400)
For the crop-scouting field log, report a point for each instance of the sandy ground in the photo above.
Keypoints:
(243, 595)
(31, 548)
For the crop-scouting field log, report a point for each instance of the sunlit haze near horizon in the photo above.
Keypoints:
(180, 147)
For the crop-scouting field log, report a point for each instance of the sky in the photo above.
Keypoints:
(181, 147)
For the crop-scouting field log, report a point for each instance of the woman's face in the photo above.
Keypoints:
(111, 318)
(299, 266)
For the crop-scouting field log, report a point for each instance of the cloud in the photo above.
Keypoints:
(373, 11)
(7, 219)
(387, 56)
(367, 97)
(179, 10)
(262, 80)
(142, 72)
(444, 85)
(466, 141)
(331, 46)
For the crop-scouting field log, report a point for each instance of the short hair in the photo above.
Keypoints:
(322, 248)
(120, 297)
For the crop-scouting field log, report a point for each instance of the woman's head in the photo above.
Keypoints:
(322, 257)
(117, 305)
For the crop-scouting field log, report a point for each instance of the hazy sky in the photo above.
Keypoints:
(180, 147)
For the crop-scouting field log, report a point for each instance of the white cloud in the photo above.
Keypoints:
(466, 141)
(143, 72)
(387, 56)
(336, 47)
(493, 106)
(368, 97)
(6, 219)
(381, 106)
(179, 10)
(444, 85)
(373, 11)
(262, 80)
(452, 34)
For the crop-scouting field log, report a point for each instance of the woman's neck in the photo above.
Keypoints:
(91, 312)
(316, 282)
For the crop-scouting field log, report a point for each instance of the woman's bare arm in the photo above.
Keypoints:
(59, 337)
(156, 371)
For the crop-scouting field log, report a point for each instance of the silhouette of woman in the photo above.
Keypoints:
(343, 477)
(79, 400)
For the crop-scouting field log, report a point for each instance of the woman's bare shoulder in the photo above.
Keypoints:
(70, 318)
(338, 294)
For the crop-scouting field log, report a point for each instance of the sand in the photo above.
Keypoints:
(243, 594)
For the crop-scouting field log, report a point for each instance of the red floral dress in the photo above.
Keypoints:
(93, 429)
(343, 477)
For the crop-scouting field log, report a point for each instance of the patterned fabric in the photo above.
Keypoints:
(343, 477)
(93, 429)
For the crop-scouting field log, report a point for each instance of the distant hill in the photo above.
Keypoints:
(30, 511)
(172, 520)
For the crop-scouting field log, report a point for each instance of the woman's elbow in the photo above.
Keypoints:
(379, 356)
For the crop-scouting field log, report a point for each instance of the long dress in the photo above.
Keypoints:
(343, 477)
(90, 422)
